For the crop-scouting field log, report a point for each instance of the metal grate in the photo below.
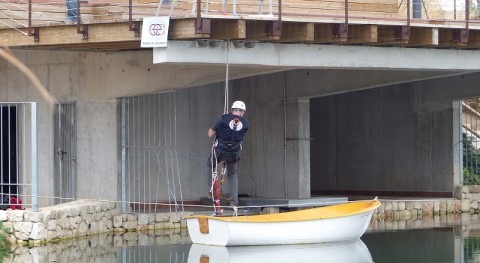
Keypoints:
(65, 145)
(149, 172)
(471, 143)
(18, 155)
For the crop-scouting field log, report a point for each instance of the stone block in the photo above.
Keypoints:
(443, 206)
(472, 189)
(401, 206)
(131, 217)
(38, 232)
(82, 229)
(90, 209)
(117, 221)
(457, 206)
(143, 219)
(73, 211)
(3, 215)
(410, 206)
(15, 215)
(427, 207)
(394, 206)
(418, 205)
(52, 225)
(474, 205)
(388, 206)
(34, 217)
(97, 207)
(162, 217)
(130, 225)
(83, 211)
(450, 206)
(436, 207)
(175, 217)
(465, 206)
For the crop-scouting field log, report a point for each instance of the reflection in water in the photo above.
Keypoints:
(341, 252)
(420, 245)
(457, 242)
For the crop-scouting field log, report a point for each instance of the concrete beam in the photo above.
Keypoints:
(320, 56)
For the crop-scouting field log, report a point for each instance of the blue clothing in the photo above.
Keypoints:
(71, 10)
(230, 128)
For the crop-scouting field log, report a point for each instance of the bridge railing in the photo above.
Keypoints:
(24, 14)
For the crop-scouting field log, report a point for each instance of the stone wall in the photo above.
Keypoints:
(87, 217)
(466, 200)
(81, 218)
(105, 248)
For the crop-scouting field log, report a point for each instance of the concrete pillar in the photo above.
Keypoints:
(304, 148)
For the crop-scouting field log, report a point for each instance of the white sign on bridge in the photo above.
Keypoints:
(155, 31)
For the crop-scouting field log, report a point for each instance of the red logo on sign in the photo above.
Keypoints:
(157, 29)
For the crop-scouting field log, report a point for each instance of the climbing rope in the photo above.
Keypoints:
(227, 50)
(216, 184)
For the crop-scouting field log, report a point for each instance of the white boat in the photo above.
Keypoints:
(333, 223)
(339, 252)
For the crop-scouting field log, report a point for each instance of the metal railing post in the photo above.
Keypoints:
(124, 159)
(34, 157)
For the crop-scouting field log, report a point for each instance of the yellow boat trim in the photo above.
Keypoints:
(325, 212)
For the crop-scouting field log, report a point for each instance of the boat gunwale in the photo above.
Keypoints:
(290, 216)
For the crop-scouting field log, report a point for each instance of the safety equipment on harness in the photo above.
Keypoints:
(239, 105)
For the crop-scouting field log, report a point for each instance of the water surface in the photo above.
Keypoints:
(423, 240)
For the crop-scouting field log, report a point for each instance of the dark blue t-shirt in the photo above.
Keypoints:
(230, 127)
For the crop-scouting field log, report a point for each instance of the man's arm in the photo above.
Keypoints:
(211, 133)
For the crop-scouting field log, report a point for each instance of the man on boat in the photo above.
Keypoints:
(229, 130)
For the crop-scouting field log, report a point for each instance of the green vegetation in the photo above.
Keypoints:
(5, 242)
(471, 162)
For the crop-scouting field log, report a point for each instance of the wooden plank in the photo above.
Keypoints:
(203, 225)
(67, 35)
(361, 34)
(387, 36)
(229, 29)
(474, 39)
(184, 29)
(106, 46)
(256, 31)
(297, 32)
(324, 34)
(446, 38)
(423, 36)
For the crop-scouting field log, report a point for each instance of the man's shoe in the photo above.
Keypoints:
(233, 203)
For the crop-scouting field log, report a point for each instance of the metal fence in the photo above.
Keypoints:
(149, 165)
(471, 145)
(18, 155)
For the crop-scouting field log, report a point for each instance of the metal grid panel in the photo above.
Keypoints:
(149, 156)
(65, 152)
(471, 144)
(18, 155)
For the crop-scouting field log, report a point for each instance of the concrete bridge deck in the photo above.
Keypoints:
(116, 25)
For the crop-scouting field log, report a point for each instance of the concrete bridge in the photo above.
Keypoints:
(339, 103)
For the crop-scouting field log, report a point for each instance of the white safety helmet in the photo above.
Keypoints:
(239, 105)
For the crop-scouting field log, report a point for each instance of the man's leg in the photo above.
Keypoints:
(232, 183)
(209, 175)
(71, 10)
